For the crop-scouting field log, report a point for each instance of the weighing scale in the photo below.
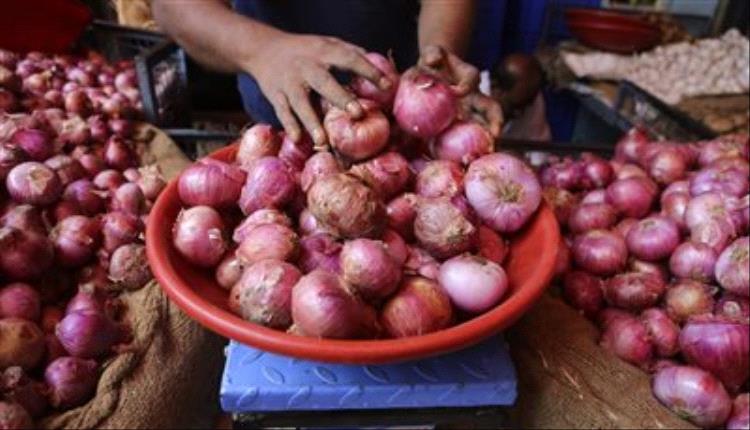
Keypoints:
(471, 388)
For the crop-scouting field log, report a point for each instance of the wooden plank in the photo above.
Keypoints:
(567, 381)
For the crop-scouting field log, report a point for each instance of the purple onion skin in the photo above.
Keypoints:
(693, 394)
(721, 347)
(634, 291)
(319, 251)
(72, 381)
(733, 307)
(583, 292)
(626, 337)
(600, 252)
(694, 261)
(20, 300)
(87, 334)
(653, 238)
(270, 184)
(740, 418)
(733, 267)
(664, 332)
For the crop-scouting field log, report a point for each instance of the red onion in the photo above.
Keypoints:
(655, 269)
(273, 241)
(595, 196)
(19, 300)
(632, 197)
(26, 255)
(720, 347)
(473, 283)
(564, 259)
(732, 271)
(442, 229)
(633, 291)
(733, 307)
(387, 174)
(37, 144)
(491, 245)
(674, 205)
(693, 261)
(419, 307)
(740, 417)
(321, 164)
(86, 299)
(229, 271)
(401, 213)
(693, 394)
(688, 298)
(347, 205)
(67, 168)
(75, 239)
(597, 173)
(259, 217)
(630, 146)
(626, 337)
(22, 343)
(396, 246)
(87, 334)
(74, 131)
(567, 175)
(294, 153)
(72, 381)
(212, 183)
(424, 105)
(78, 102)
(33, 183)
(257, 141)
(98, 128)
(128, 198)
(583, 292)
(129, 268)
(503, 191)
(463, 142)
(319, 251)
(592, 216)
(119, 228)
(14, 416)
(85, 196)
(108, 180)
(440, 178)
(723, 147)
(308, 224)
(269, 184)
(63, 209)
(727, 180)
(667, 165)
(131, 174)
(420, 262)
(26, 218)
(600, 252)
(263, 294)
(199, 235)
(368, 267)
(17, 387)
(118, 154)
(662, 331)
(367, 90)
(653, 238)
(357, 139)
(323, 306)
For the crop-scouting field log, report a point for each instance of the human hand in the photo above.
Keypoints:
(290, 66)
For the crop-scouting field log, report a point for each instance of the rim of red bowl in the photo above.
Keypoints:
(376, 351)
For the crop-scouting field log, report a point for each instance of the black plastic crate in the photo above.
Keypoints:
(160, 66)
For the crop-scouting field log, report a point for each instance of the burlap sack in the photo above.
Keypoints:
(169, 378)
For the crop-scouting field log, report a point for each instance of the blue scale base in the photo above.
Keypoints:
(256, 381)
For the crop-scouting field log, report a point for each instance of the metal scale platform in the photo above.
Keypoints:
(469, 388)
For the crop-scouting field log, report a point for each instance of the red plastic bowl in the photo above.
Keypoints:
(610, 31)
(530, 269)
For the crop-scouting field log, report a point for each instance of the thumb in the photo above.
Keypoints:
(432, 55)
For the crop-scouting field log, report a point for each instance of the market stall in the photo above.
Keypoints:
(414, 269)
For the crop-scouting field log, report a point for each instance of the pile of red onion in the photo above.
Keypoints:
(659, 243)
(73, 203)
(369, 237)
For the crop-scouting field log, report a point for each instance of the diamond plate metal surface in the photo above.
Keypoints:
(257, 381)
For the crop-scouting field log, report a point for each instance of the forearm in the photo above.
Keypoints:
(447, 23)
(212, 33)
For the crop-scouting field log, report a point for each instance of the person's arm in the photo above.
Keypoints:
(287, 66)
(445, 28)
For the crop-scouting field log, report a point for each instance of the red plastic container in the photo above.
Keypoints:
(611, 31)
(530, 268)
(42, 25)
